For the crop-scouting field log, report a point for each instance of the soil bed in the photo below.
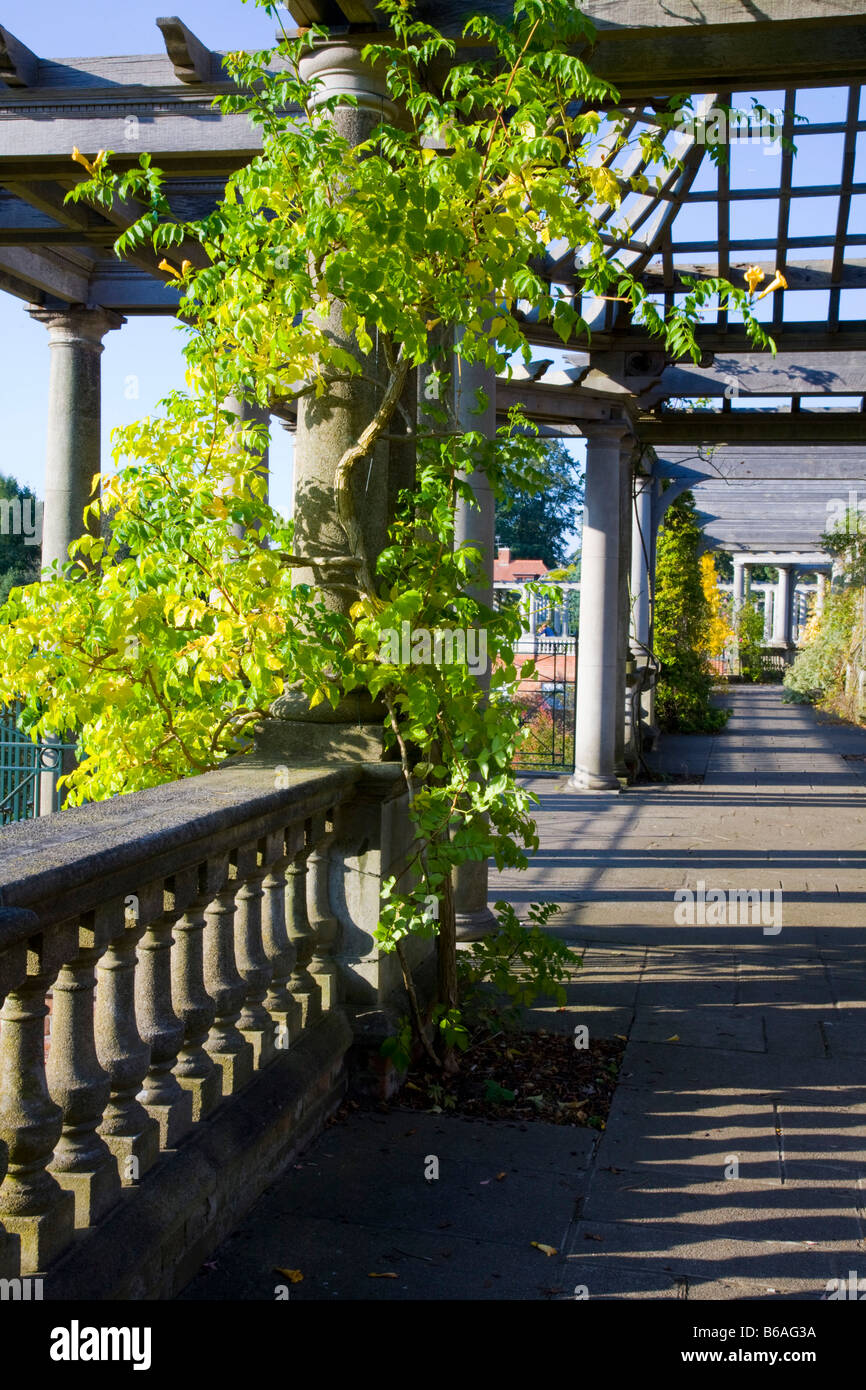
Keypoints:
(523, 1076)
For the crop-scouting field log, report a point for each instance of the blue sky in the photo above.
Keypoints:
(143, 361)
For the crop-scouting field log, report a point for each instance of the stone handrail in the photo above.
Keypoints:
(170, 931)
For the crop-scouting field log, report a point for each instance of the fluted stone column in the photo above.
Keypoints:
(598, 704)
(821, 592)
(73, 422)
(782, 608)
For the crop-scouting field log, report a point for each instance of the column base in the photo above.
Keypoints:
(263, 1043)
(8, 1255)
(174, 1119)
(135, 1153)
(583, 781)
(45, 1236)
(94, 1192)
(206, 1092)
(472, 926)
(236, 1067)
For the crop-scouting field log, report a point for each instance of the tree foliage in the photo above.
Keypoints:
(20, 517)
(537, 525)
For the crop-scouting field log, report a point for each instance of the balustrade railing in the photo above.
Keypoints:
(185, 939)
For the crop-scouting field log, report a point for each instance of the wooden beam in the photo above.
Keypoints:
(800, 274)
(18, 66)
(191, 60)
(795, 337)
(752, 427)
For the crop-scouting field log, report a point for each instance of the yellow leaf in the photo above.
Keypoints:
(545, 1249)
(293, 1275)
(674, 1037)
(381, 1276)
(317, 698)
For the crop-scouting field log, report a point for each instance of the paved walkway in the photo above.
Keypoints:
(734, 1161)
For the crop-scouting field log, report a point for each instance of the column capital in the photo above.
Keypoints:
(606, 431)
(78, 324)
(340, 72)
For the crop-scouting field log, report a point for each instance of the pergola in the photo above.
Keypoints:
(766, 443)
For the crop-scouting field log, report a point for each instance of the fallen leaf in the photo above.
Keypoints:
(500, 1176)
(293, 1275)
(621, 1035)
(589, 1236)
(545, 1249)
(381, 1276)
(408, 1132)
(674, 1037)
(484, 1182)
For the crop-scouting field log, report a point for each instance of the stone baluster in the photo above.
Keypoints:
(83, 1164)
(282, 1006)
(325, 926)
(161, 1094)
(253, 965)
(13, 968)
(225, 1044)
(195, 1070)
(302, 936)
(130, 1133)
(33, 1205)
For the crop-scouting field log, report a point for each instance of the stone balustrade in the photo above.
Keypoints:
(189, 939)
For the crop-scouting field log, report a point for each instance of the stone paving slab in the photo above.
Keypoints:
(740, 1045)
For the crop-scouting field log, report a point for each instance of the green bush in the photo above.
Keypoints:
(750, 641)
(682, 627)
(817, 675)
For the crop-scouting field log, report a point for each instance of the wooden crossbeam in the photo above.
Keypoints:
(191, 60)
(18, 66)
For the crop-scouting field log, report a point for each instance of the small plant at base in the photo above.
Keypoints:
(519, 961)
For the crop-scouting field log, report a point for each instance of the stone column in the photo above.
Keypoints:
(73, 422)
(623, 750)
(768, 613)
(782, 608)
(641, 545)
(328, 425)
(821, 592)
(739, 584)
(476, 526)
(247, 411)
(598, 698)
(72, 452)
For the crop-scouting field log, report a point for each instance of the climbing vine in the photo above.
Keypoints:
(163, 642)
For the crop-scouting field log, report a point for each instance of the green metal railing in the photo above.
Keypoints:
(24, 769)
